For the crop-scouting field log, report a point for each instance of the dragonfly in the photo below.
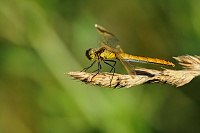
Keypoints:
(111, 50)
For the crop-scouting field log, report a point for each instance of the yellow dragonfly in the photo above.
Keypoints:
(110, 50)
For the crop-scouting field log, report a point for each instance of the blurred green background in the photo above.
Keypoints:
(40, 40)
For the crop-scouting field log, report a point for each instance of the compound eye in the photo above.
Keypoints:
(90, 54)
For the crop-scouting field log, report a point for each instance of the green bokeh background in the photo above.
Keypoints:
(40, 40)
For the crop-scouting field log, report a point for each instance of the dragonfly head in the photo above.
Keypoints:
(90, 54)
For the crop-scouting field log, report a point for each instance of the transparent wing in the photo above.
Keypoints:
(110, 43)
(128, 66)
(107, 37)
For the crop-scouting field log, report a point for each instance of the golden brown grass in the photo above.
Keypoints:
(191, 65)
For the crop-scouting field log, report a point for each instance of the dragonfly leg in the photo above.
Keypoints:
(85, 69)
(110, 64)
(113, 68)
(99, 68)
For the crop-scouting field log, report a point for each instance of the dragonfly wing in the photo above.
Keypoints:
(107, 37)
(119, 48)
(128, 66)
(110, 43)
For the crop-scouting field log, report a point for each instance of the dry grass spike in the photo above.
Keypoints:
(174, 77)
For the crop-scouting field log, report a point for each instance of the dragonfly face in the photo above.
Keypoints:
(90, 54)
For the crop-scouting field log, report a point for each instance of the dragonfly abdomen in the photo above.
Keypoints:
(133, 58)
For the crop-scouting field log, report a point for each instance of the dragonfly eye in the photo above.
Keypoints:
(90, 54)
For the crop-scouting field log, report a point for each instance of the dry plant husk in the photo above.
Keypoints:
(191, 65)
